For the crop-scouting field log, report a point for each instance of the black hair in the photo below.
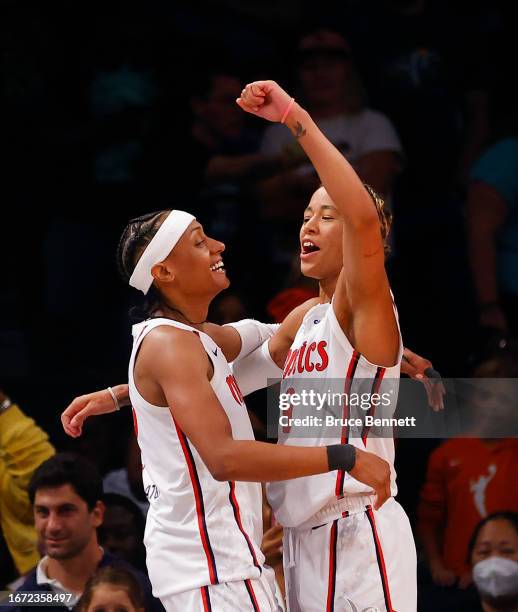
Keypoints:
(114, 499)
(115, 576)
(506, 515)
(137, 234)
(74, 470)
(384, 215)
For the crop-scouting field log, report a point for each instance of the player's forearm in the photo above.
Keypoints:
(336, 173)
(253, 461)
(122, 394)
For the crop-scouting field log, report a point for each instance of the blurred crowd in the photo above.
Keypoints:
(118, 109)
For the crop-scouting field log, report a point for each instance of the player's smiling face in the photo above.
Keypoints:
(321, 238)
(195, 265)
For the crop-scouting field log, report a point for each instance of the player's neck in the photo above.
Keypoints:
(188, 313)
(327, 288)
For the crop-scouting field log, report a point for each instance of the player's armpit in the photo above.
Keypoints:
(370, 324)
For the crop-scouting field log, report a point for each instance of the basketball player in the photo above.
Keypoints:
(101, 402)
(201, 466)
(340, 554)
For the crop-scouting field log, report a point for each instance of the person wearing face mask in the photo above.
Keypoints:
(493, 554)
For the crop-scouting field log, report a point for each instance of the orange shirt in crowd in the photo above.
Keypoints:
(467, 479)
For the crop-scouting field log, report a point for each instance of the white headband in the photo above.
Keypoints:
(162, 243)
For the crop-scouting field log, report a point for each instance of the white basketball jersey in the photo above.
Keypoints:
(322, 360)
(199, 531)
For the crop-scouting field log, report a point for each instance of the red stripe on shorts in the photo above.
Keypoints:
(331, 583)
(251, 593)
(205, 597)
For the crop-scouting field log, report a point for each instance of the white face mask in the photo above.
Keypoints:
(497, 577)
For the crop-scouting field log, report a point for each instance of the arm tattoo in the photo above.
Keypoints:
(298, 130)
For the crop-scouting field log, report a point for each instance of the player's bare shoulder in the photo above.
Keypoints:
(280, 343)
(294, 319)
(171, 348)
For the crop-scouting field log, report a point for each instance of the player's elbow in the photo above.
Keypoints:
(221, 464)
(220, 472)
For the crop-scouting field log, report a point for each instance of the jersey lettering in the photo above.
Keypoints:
(303, 360)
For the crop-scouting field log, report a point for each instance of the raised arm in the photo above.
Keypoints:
(362, 300)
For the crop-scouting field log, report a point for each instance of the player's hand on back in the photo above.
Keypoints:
(374, 472)
(84, 406)
(265, 99)
(421, 369)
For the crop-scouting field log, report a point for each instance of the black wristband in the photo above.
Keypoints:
(341, 457)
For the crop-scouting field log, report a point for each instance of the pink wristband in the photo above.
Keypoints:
(288, 108)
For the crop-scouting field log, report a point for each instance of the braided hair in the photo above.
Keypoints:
(384, 215)
(137, 234)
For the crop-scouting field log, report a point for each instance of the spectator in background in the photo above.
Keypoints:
(492, 231)
(127, 481)
(467, 479)
(66, 493)
(112, 590)
(122, 530)
(222, 149)
(228, 308)
(493, 554)
(23, 447)
(418, 74)
(435, 91)
(221, 156)
(331, 89)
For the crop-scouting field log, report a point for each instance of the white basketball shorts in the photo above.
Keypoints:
(361, 562)
(239, 596)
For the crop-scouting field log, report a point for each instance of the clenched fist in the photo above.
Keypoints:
(264, 99)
